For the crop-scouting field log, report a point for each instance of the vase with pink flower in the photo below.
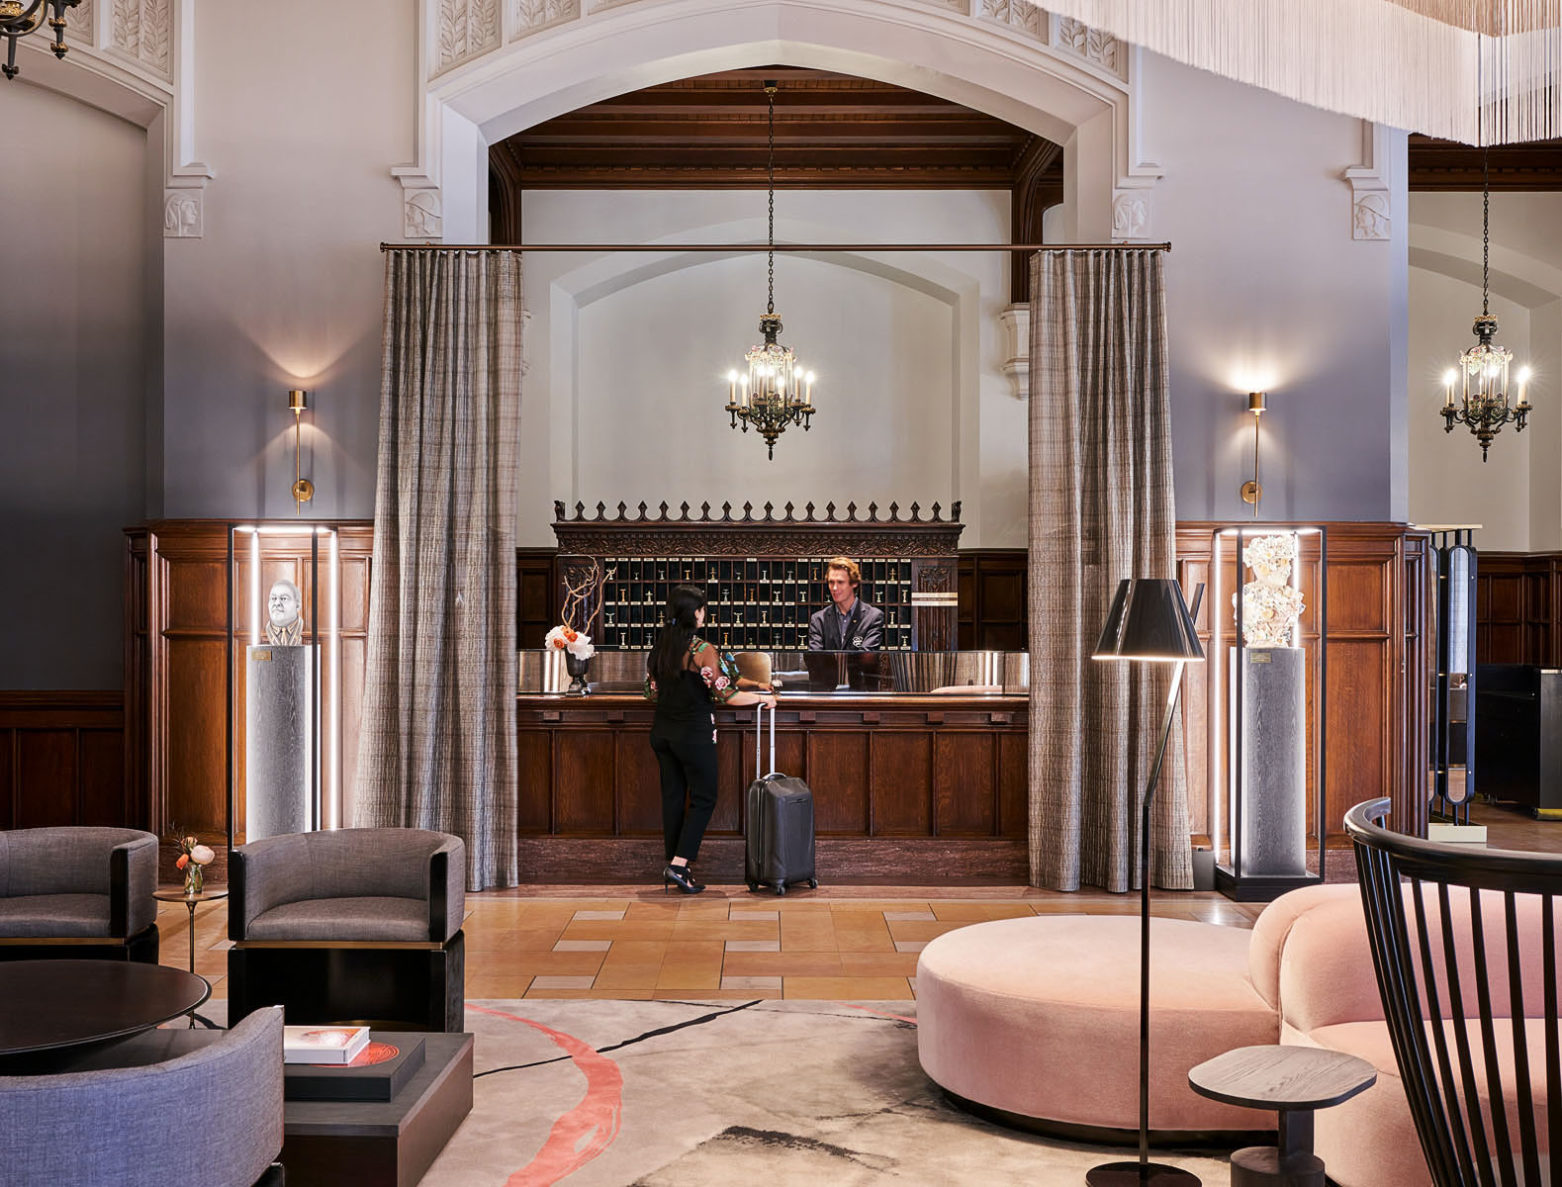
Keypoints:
(193, 860)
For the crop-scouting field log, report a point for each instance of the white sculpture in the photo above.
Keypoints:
(284, 615)
(1270, 604)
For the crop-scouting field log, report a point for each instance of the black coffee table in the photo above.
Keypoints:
(53, 1008)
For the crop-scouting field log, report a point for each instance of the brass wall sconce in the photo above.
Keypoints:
(303, 489)
(1252, 490)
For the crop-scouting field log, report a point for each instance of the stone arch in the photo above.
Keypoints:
(525, 77)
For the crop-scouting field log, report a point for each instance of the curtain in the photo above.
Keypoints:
(1101, 509)
(1477, 71)
(437, 748)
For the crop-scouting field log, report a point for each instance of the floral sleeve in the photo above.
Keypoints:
(720, 673)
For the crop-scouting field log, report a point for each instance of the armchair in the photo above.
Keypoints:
(78, 892)
(350, 925)
(1465, 949)
(212, 1116)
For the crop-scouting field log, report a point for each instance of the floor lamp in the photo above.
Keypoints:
(1148, 622)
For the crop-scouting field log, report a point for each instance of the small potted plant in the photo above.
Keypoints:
(577, 650)
(193, 860)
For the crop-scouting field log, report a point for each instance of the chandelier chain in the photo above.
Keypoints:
(770, 173)
(1485, 230)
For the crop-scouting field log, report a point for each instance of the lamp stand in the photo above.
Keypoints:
(1145, 1173)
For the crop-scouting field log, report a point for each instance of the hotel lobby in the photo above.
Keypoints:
(377, 376)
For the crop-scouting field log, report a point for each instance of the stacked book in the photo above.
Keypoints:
(323, 1044)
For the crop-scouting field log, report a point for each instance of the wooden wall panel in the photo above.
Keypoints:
(1518, 607)
(1013, 786)
(1375, 734)
(838, 774)
(534, 761)
(583, 767)
(965, 784)
(62, 760)
(177, 640)
(637, 785)
(901, 771)
(45, 758)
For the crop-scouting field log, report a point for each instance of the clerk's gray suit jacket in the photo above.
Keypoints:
(864, 629)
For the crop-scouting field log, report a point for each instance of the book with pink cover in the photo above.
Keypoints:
(323, 1044)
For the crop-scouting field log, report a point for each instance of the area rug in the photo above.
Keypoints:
(594, 1093)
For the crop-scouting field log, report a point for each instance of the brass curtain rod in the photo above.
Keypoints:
(674, 248)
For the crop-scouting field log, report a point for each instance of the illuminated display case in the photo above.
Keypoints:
(1267, 681)
(285, 688)
(1453, 691)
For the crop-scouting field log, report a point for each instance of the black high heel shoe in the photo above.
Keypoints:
(682, 877)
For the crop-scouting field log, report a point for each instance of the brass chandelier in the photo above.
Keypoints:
(1482, 373)
(18, 18)
(776, 391)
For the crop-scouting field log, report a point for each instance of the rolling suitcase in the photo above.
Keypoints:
(779, 815)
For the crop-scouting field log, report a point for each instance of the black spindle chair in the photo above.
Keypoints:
(1464, 945)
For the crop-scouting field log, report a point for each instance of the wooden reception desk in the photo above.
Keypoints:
(908, 789)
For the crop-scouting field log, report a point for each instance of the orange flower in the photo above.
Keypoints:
(184, 860)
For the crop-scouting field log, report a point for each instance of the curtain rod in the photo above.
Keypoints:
(673, 248)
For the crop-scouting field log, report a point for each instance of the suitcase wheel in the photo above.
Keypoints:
(813, 884)
(753, 887)
(780, 889)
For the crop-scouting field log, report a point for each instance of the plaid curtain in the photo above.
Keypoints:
(437, 748)
(1101, 509)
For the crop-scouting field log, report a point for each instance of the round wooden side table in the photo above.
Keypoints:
(1294, 1081)
(177, 895)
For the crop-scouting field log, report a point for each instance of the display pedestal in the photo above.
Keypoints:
(278, 767)
(1268, 733)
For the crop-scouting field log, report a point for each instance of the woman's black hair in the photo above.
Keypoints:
(672, 644)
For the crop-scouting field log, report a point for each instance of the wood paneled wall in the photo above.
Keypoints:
(62, 760)
(176, 664)
(1518, 608)
(1377, 667)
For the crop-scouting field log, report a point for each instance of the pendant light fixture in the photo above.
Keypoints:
(775, 391)
(19, 18)
(1482, 373)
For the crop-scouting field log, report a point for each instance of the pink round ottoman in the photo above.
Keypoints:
(1037, 1020)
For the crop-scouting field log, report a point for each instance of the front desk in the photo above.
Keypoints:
(917, 763)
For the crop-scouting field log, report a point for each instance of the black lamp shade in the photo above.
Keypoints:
(1149, 621)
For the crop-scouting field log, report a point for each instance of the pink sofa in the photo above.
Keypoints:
(1039, 1018)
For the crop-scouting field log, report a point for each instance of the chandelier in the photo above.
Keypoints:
(775, 392)
(1482, 373)
(19, 18)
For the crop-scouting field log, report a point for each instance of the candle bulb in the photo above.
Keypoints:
(1523, 386)
(1448, 388)
(808, 392)
(732, 388)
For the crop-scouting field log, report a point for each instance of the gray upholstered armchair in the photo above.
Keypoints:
(213, 1116)
(359, 924)
(79, 892)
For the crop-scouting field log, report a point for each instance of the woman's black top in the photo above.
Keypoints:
(684, 710)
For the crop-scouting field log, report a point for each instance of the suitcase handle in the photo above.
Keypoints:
(759, 719)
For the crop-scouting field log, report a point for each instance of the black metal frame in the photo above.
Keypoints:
(1231, 880)
(1452, 808)
(1425, 977)
(317, 677)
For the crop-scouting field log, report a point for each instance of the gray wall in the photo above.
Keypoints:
(72, 383)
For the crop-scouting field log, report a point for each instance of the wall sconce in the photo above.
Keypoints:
(303, 489)
(1252, 491)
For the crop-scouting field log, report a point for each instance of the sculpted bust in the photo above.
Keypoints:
(284, 614)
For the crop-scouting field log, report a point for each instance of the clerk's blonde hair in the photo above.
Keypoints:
(847, 566)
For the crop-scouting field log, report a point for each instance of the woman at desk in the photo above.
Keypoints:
(685, 676)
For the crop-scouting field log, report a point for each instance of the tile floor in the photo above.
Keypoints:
(854, 943)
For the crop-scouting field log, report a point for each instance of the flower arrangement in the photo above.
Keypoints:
(566, 638)
(193, 860)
